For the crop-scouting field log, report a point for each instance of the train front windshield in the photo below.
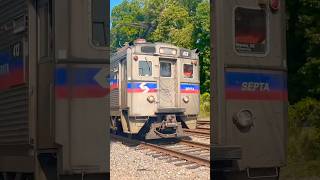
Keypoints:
(250, 31)
(188, 70)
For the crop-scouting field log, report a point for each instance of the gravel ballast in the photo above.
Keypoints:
(130, 163)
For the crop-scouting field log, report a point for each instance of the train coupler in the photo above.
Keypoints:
(168, 128)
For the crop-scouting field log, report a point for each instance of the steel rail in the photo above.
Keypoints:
(166, 151)
(197, 131)
(204, 128)
(195, 144)
(203, 122)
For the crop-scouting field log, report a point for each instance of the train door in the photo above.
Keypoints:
(249, 84)
(45, 72)
(123, 80)
(167, 83)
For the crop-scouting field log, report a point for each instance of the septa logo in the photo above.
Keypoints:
(255, 86)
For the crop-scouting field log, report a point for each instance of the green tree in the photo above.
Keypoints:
(126, 19)
(175, 26)
(303, 42)
(202, 42)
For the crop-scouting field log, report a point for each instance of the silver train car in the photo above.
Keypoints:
(53, 90)
(249, 89)
(154, 90)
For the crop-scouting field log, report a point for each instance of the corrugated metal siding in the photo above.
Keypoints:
(9, 11)
(13, 116)
(114, 99)
(13, 101)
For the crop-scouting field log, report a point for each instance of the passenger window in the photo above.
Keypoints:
(145, 68)
(165, 69)
(188, 70)
(99, 25)
(250, 31)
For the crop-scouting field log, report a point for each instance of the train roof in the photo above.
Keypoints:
(179, 51)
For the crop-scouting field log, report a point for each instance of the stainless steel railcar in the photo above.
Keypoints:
(249, 91)
(154, 90)
(53, 90)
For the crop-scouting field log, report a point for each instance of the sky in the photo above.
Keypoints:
(113, 3)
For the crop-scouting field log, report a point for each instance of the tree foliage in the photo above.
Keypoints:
(304, 139)
(303, 42)
(184, 23)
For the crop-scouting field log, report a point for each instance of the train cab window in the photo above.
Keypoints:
(188, 71)
(145, 68)
(165, 69)
(250, 31)
(99, 25)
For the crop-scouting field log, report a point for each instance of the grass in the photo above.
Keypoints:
(204, 105)
(301, 170)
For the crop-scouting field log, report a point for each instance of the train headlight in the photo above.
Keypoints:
(185, 99)
(244, 119)
(151, 99)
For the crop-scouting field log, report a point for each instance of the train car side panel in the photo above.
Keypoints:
(13, 74)
(77, 87)
(250, 84)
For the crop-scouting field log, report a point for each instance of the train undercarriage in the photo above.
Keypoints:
(160, 126)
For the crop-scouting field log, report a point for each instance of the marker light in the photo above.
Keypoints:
(185, 99)
(135, 58)
(151, 99)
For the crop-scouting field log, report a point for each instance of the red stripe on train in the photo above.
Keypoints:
(274, 95)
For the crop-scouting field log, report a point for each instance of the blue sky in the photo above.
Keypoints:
(113, 3)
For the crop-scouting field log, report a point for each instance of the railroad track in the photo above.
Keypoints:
(199, 132)
(203, 125)
(181, 153)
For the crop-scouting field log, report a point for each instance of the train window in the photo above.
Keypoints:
(99, 25)
(165, 69)
(148, 49)
(145, 68)
(188, 70)
(250, 31)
